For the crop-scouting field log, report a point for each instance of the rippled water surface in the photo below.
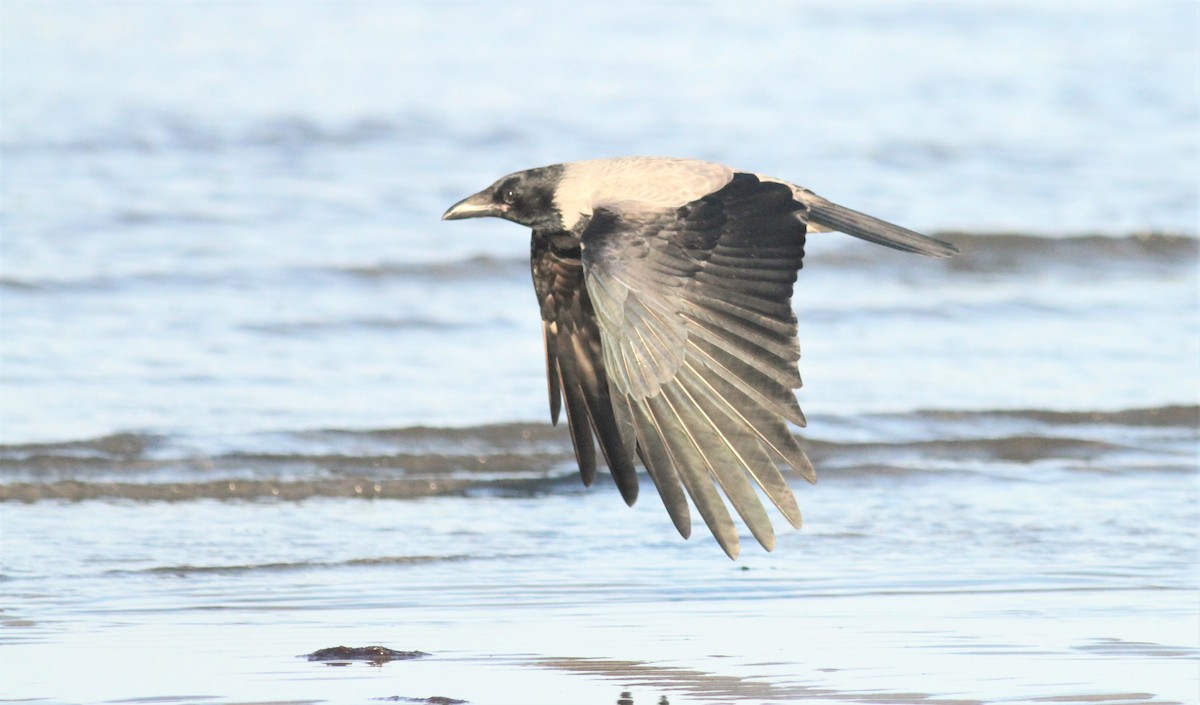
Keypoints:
(257, 400)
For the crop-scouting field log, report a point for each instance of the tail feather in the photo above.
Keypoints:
(831, 216)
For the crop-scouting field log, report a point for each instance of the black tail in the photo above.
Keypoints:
(843, 220)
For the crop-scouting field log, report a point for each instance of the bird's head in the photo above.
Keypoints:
(526, 197)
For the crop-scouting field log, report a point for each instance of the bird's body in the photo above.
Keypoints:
(665, 290)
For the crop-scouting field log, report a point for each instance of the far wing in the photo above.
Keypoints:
(699, 345)
(574, 362)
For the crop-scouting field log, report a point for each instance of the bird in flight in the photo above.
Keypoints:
(665, 289)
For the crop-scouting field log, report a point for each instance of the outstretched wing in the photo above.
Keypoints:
(693, 306)
(574, 362)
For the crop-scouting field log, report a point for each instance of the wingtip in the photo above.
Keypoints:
(727, 537)
(804, 466)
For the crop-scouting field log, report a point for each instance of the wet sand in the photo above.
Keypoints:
(543, 612)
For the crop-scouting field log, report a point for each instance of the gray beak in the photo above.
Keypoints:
(480, 205)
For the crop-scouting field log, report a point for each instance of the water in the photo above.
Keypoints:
(258, 400)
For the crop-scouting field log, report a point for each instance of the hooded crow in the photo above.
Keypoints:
(665, 287)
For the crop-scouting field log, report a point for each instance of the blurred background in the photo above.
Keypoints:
(222, 217)
(223, 276)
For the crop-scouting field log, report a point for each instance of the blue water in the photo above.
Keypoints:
(229, 311)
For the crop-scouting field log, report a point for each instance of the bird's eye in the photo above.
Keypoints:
(509, 196)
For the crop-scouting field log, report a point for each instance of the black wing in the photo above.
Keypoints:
(574, 362)
(693, 306)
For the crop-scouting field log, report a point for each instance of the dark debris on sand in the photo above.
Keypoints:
(435, 700)
(377, 655)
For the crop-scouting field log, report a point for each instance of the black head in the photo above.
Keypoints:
(526, 197)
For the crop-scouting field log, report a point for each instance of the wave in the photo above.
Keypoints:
(399, 323)
(527, 459)
(508, 438)
(287, 490)
(120, 281)
(1028, 253)
(1175, 415)
(149, 132)
(1011, 252)
(232, 569)
(472, 268)
(469, 268)
(981, 252)
(1141, 254)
